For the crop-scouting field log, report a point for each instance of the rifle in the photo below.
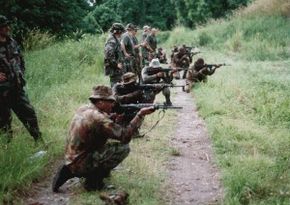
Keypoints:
(155, 106)
(210, 66)
(168, 77)
(159, 85)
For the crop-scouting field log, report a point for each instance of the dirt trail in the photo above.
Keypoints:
(41, 192)
(193, 176)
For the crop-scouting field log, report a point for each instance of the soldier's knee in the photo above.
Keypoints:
(166, 91)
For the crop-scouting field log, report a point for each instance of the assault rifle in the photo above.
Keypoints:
(168, 76)
(155, 106)
(159, 85)
(210, 66)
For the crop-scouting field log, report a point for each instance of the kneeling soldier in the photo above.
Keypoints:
(88, 153)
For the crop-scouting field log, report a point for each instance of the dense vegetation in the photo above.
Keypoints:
(62, 17)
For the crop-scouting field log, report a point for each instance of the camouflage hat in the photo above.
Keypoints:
(102, 92)
(117, 28)
(4, 21)
(129, 77)
(155, 63)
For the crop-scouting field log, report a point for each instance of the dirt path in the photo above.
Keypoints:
(41, 193)
(193, 176)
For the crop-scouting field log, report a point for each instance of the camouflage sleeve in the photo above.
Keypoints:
(146, 77)
(127, 98)
(22, 63)
(115, 131)
(110, 55)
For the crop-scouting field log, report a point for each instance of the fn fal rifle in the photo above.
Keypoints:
(155, 106)
(168, 72)
(159, 86)
(210, 66)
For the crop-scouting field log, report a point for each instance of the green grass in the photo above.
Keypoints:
(246, 108)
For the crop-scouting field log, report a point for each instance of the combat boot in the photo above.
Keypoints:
(62, 175)
(168, 101)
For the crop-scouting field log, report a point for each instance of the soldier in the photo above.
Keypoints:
(127, 45)
(151, 44)
(150, 77)
(88, 152)
(161, 55)
(137, 66)
(146, 31)
(181, 60)
(113, 54)
(12, 94)
(199, 72)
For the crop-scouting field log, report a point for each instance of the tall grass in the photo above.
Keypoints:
(60, 78)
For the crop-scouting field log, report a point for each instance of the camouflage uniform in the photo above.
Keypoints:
(12, 94)
(128, 92)
(113, 56)
(197, 73)
(149, 78)
(128, 43)
(137, 65)
(89, 153)
(151, 40)
(182, 60)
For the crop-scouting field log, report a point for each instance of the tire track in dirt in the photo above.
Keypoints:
(193, 177)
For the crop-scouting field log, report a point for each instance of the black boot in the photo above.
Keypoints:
(94, 180)
(168, 101)
(62, 175)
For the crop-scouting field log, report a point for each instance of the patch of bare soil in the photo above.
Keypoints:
(41, 192)
(193, 175)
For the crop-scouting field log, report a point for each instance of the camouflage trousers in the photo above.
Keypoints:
(16, 99)
(113, 154)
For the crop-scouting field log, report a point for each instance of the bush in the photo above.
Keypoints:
(36, 39)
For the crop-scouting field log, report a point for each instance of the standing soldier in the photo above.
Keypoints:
(137, 66)
(146, 31)
(12, 94)
(113, 54)
(151, 44)
(127, 45)
(89, 153)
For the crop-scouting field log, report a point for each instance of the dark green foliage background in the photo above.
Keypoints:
(63, 17)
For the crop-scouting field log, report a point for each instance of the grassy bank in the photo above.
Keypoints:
(59, 78)
(246, 106)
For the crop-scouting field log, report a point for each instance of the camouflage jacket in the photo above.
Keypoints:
(126, 94)
(113, 55)
(135, 42)
(152, 41)
(198, 74)
(180, 60)
(90, 130)
(148, 78)
(11, 63)
(128, 43)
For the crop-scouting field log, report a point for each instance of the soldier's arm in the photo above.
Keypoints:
(110, 58)
(115, 131)
(148, 78)
(128, 98)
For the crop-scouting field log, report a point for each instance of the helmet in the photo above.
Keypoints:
(117, 28)
(4, 21)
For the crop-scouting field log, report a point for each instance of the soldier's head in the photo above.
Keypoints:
(129, 79)
(117, 29)
(154, 63)
(131, 28)
(146, 28)
(4, 26)
(102, 97)
(181, 50)
(199, 63)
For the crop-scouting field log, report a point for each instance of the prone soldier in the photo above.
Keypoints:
(12, 93)
(113, 56)
(88, 152)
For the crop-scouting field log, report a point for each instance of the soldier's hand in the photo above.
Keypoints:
(160, 74)
(3, 77)
(146, 111)
(120, 66)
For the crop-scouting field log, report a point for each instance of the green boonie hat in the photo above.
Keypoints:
(102, 92)
(155, 63)
(129, 77)
(117, 27)
(4, 21)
